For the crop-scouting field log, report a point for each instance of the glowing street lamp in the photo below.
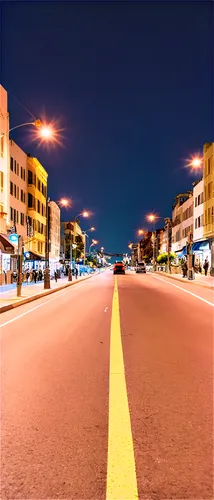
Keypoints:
(195, 163)
(140, 232)
(91, 229)
(152, 218)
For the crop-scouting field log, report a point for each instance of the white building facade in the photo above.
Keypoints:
(182, 222)
(198, 195)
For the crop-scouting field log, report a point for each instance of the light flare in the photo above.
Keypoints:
(195, 163)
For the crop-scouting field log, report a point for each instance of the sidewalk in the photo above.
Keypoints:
(200, 279)
(33, 291)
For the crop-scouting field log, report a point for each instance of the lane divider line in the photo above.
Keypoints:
(186, 291)
(121, 470)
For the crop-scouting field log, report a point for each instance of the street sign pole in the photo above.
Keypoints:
(19, 268)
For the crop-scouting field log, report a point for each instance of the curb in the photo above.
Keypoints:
(9, 307)
(182, 281)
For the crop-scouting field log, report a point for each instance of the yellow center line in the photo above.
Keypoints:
(121, 472)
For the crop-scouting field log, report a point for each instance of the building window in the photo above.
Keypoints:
(31, 202)
(2, 145)
(30, 177)
(11, 188)
(1, 182)
(209, 190)
(38, 206)
(196, 202)
(14, 166)
(17, 192)
(209, 165)
(196, 224)
(17, 168)
(14, 190)
(38, 184)
(24, 174)
(22, 219)
(11, 164)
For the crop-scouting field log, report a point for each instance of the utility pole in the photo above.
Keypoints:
(154, 249)
(167, 221)
(70, 268)
(47, 283)
(190, 257)
(19, 268)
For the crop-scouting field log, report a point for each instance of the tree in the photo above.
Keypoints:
(163, 258)
(80, 246)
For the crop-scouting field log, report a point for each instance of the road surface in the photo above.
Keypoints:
(107, 403)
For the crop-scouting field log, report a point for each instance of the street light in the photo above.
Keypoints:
(91, 229)
(47, 133)
(196, 163)
(152, 218)
(94, 242)
(84, 214)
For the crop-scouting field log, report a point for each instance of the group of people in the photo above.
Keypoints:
(197, 268)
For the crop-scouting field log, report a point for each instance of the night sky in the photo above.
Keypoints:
(130, 83)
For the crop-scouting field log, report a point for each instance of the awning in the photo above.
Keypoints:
(32, 256)
(181, 253)
(200, 246)
(5, 245)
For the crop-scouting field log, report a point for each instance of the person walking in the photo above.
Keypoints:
(76, 272)
(35, 275)
(55, 276)
(184, 269)
(206, 266)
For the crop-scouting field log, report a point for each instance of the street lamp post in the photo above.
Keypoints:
(153, 218)
(91, 229)
(47, 283)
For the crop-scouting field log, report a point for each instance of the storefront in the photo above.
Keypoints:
(33, 261)
(202, 251)
(6, 251)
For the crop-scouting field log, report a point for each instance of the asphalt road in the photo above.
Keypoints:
(55, 405)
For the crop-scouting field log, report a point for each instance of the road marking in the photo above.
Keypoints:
(184, 290)
(121, 472)
(36, 307)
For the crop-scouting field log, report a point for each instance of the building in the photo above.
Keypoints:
(182, 222)
(209, 190)
(208, 175)
(6, 248)
(201, 246)
(67, 239)
(37, 206)
(54, 235)
(18, 190)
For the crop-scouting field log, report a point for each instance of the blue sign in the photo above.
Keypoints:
(14, 238)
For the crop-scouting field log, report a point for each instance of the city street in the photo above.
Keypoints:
(75, 427)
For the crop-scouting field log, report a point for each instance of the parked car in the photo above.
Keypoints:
(119, 268)
(140, 267)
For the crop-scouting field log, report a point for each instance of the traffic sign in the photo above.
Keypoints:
(14, 238)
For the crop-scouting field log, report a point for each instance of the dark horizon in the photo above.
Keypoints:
(130, 83)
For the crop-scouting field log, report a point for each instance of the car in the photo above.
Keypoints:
(140, 268)
(119, 268)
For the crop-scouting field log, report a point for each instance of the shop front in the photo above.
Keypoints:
(202, 251)
(6, 261)
(33, 261)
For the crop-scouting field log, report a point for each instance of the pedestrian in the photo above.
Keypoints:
(206, 266)
(55, 276)
(184, 269)
(76, 272)
(35, 275)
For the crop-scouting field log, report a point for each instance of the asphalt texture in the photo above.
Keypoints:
(55, 355)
